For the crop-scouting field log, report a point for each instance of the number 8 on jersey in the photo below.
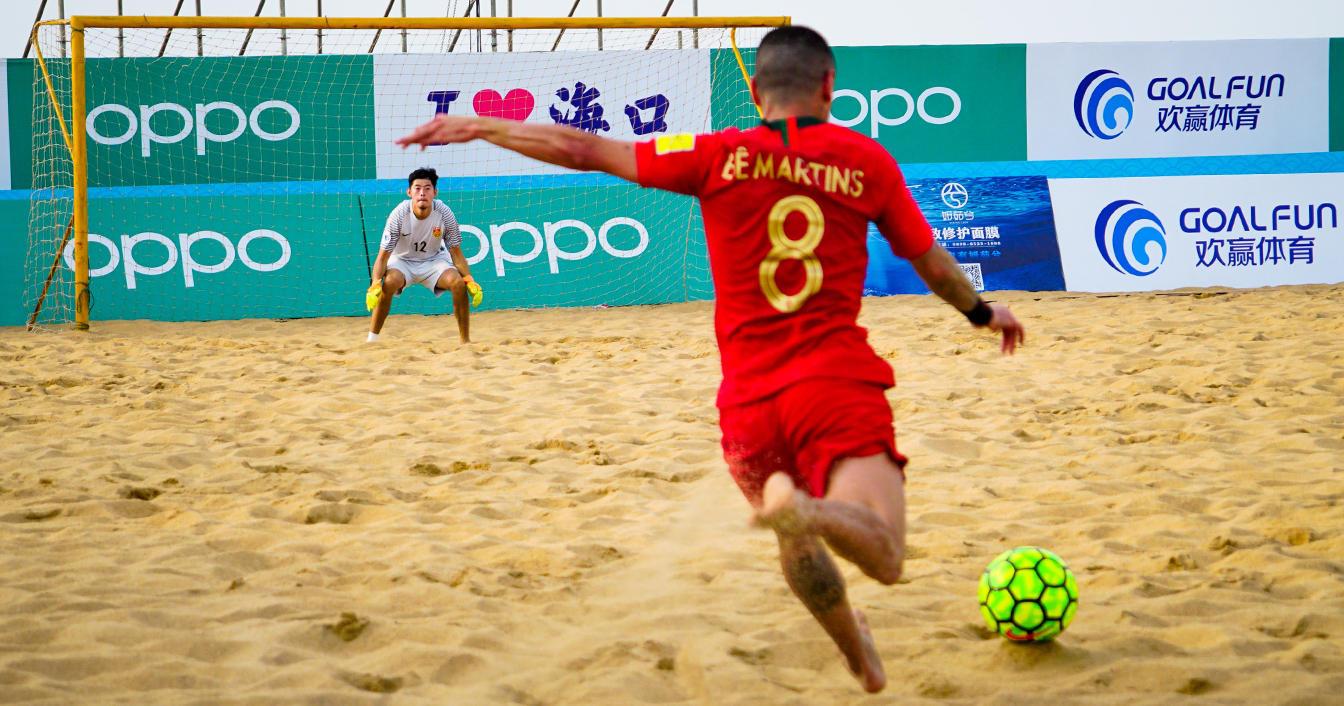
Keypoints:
(802, 249)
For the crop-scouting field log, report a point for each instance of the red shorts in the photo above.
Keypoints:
(803, 430)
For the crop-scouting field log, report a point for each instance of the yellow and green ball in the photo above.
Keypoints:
(1028, 595)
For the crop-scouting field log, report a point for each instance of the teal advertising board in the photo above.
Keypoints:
(19, 96)
(13, 245)
(203, 121)
(264, 255)
(933, 103)
(731, 98)
(936, 103)
(229, 120)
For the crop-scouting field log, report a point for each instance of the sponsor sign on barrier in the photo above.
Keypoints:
(1000, 230)
(1134, 235)
(18, 80)
(4, 134)
(935, 104)
(1177, 99)
(603, 93)
(308, 255)
(1337, 94)
(192, 122)
(185, 121)
(123, 256)
(258, 119)
(228, 120)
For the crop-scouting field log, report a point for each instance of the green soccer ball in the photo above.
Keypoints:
(1028, 595)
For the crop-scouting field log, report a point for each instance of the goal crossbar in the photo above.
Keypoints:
(75, 137)
(79, 22)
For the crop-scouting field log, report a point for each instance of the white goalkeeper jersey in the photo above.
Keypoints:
(411, 238)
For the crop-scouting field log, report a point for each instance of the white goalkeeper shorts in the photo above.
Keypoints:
(426, 272)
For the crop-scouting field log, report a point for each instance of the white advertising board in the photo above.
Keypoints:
(616, 94)
(1160, 233)
(1177, 99)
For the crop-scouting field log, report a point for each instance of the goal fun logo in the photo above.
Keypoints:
(1103, 104)
(1131, 238)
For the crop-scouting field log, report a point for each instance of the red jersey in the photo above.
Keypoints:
(786, 208)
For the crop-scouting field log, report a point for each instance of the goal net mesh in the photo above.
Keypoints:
(249, 174)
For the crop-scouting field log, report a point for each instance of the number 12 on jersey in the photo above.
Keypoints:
(802, 249)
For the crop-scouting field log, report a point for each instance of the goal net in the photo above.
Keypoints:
(248, 173)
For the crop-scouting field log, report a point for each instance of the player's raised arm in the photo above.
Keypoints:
(554, 144)
(940, 272)
(903, 224)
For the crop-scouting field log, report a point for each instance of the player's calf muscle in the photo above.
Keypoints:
(882, 563)
(860, 535)
(888, 573)
(814, 578)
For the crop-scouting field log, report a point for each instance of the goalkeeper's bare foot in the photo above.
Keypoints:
(783, 506)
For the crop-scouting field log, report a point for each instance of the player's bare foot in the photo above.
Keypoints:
(782, 506)
(869, 671)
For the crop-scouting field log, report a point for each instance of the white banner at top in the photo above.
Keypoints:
(625, 95)
(1177, 99)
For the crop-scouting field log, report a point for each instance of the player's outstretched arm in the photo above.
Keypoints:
(940, 272)
(554, 144)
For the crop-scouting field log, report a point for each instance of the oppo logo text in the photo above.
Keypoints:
(143, 123)
(870, 107)
(181, 250)
(544, 239)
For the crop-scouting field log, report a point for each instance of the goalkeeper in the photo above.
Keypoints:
(422, 245)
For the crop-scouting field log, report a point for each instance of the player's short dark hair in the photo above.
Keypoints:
(791, 63)
(424, 173)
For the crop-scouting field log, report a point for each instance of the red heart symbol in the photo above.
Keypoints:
(517, 105)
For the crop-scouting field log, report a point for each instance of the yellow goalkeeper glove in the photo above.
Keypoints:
(374, 294)
(477, 294)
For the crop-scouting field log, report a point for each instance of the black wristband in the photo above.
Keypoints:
(981, 314)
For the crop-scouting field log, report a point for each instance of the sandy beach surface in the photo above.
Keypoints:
(273, 512)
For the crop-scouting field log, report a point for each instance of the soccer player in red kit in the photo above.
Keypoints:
(807, 430)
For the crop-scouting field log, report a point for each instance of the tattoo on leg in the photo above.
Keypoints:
(813, 577)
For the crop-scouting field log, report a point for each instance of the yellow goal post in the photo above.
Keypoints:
(71, 113)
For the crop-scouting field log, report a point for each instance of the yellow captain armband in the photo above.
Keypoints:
(674, 143)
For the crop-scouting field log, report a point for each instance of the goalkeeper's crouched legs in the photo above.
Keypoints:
(461, 302)
(392, 283)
